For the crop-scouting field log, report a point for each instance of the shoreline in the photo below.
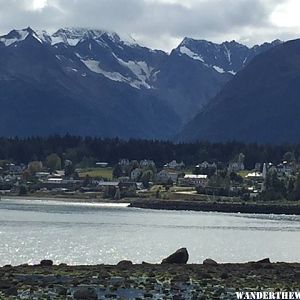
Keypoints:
(223, 207)
(66, 199)
(189, 205)
(147, 281)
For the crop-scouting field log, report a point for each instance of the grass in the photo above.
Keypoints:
(97, 172)
(244, 173)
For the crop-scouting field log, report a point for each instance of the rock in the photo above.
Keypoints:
(125, 264)
(7, 266)
(8, 287)
(85, 293)
(61, 290)
(210, 262)
(204, 275)
(224, 275)
(12, 291)
(264, 261)
(297, 275)
(116, 280)
(5, 284)
(46, 263)
(181, 278)
(181, 256)
(148, 295)
(63, 265)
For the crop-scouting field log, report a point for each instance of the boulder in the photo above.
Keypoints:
(181, 256)
(209, 262)
(86, 293)
(46, 263)
(124, 264)
(12, 291)
(224, 275)
(5, 284)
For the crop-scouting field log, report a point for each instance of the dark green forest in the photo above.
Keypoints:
(78, 149)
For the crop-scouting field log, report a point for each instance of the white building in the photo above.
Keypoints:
(194, 180)
(174, 165)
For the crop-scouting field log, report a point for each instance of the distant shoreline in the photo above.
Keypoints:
(65, 199)
(224, 207)
(191, 205)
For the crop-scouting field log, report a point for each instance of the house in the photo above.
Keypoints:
(16, 169)
(147, 163)
(42, 175)
(101, 164)
(257, 167)
(108, 183)
(10, 179)
(115, 189)
(194, 180)
(236, 167)
(165, 176)
(127, 189)
(60, 183)
(254, 175)
(55, 180)
(207, 165)
(124, 179)
(59, 173)
(284, 169)
(124, 162)
(135, 174)
(174, 165)
(206, 168)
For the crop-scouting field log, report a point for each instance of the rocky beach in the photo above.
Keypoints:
(168, 280)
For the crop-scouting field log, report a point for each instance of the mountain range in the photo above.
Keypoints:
(261, 104)
(93, 82)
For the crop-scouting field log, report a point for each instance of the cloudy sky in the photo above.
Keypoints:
(161, 23)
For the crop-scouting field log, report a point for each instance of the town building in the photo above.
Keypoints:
(194, 180)
(174, 165)
(165, 176)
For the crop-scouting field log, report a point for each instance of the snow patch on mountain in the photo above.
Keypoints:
(139, 68)
(218, 69)
(228, 54)
(188, 52)
(14, 36)
(72, 36)
(61, 38)
(95, 67)
(43, 36)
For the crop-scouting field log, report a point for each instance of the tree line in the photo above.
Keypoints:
(86, 150)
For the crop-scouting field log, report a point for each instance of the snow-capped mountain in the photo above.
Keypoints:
(228, 57)
(260, 105)
(94, 82)
(101, 52)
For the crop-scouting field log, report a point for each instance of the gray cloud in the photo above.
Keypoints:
(155, 23)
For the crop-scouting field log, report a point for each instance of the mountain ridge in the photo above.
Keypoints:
(258, 105)
(137, 91)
